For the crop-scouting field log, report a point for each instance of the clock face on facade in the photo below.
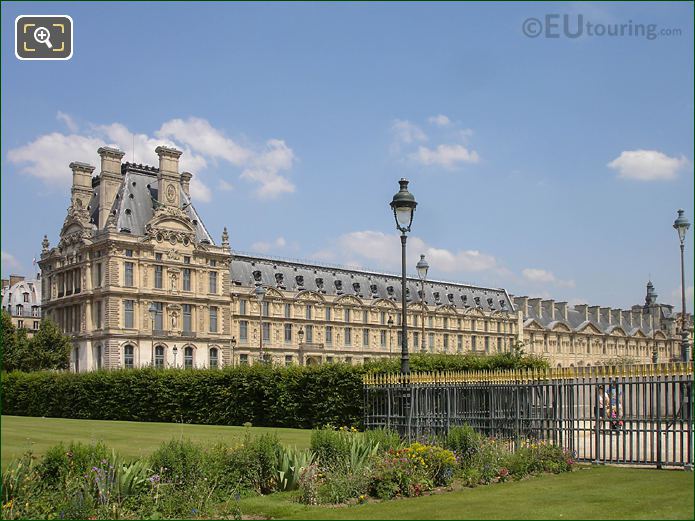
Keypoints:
(171, 193)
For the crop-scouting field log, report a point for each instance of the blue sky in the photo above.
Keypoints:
(551, 167)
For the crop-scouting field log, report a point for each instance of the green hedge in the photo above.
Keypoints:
(300, 397)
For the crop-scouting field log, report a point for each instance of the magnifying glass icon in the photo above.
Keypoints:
(43, 35)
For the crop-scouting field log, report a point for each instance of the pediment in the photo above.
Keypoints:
(384, 304)
(589, 328)
(446, 309)
(560, 326)
(618, 331)
(309, 296)
(474, 312)
(348, 300)
(533, 324)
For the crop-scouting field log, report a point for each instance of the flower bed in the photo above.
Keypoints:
(185, 480)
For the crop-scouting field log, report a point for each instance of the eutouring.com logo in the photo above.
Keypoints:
(576, 26)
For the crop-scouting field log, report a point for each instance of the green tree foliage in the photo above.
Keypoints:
(48, 349)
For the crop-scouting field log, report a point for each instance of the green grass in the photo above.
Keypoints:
(587, 493)
(130, 439)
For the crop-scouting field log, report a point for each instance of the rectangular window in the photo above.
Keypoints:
(244, 359)
(128, 314)
(158, 316)
(187, 279)
(382, 318)
(348, 336)
(329, 315)
(459, 323)
(309, 334)
(213, 262)
(487, 344)
(158, 257)
(266, 331)
(288, 360)
(365, 337)
(20, 324)
(382, 336)
(499, 327)
(365, 317)
(430, 341)
(242, 307)
(188, 358)
(348, 360)
(214, 358)
(265, 308)
(97, 315)
(329, 359)
(329, 335)
(499, 344)
(186, 260)
(129, 274)
(187, 316)
(288, 311)
(308, 312)
(213, 282)
(473, 325)
(243, 331)
(347, 315)
(415, 319)
(473, 346)
(98, 276)
(129, 253)
(128, 357)
(399, 338)
(446, 342)
(36, 325)
(398, 319)
(459, 346)
(213, 319)
(446, 322)
(158, 273)
(288, 333)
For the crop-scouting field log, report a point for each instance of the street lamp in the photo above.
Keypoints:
(681, 225)
(175, 350)
(153, 313)
(300, 334)
(390, 324)
(260, 294)
(403, 206)
(232, 344)
(422, 268)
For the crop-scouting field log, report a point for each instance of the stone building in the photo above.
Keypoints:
(137, 280)
(22, 300)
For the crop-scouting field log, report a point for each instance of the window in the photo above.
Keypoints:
(459, 346)
(213, 282)
(20, 324)
(98, 276)
(128, 314)
(242, 307)
(329, 359)
(382, 336)
(187, 279)
(186, 259)
(128, 357)
(416, 341)
(487, 325)
(158, 272)
(19, 310)
(348, 360)
(213, 319)
(415, 319)
(187, 315)
(265, 308)
(288, 333)
(36, 325)
(459, 323)
(487, 344)
(329, 335)
(128, 274)
(430, 341)
(399, 338)
(159, 357)
(213, 262)
(158, 316)
(499, 344)
(266, 331)
(329, 315)
(473, 346)
(365, 337)
(446, 322)
(348, 336)
(382, 318)
(97, 356)
(309, 334)
(214, 362)
(97, 315)
(34, 311)
(76, 358)
(243, 331)
(308, 312)
(288, 360)
(499, 327)
(158, 256)
(26, 297)
(365, 317)
(473, 325)
(288, 311)
(243, 359)
(129, 253)
(446, 342)
(188, 358)
(347, 315)
(430, 321)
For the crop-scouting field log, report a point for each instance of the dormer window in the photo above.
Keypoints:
(257, 275)
(373, 289)
(450, 296)
(356, 287)
(299, 279)
(436, 296)
(477, 301)
(279, 279)
(339, 286)
(319, 284)
(389, 290)
(503, 304)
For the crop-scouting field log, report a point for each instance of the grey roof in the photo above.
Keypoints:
(249, 270)
(136, 199)
(15, 294)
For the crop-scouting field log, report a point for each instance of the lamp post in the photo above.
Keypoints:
(153, 313)
(232, 344)
(260, 294)
(681, 225)
(300, 334)
(175, 350)
(422, 268)
(403, 206)
(389, 323)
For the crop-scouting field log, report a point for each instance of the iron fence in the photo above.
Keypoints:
(639, 415)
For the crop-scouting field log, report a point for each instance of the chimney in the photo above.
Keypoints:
(627, 319)
(548, 308)
(582, 309)
(593, 313)
(5, 283)
(606, 315)
(81, 184)
(635, 318)
(521, 303)
(186, 183)
(616, 317)
(561, 310)
(534, 305)
(168, 178)
(14, 279)
(110, 181)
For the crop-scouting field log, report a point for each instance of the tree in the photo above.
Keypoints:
(9, 346)
(49, 349)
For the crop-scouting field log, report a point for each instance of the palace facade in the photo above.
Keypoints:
(137, 280)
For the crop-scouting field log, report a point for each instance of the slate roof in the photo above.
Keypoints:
(248, 270)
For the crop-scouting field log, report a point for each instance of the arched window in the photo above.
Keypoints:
(128, 357)
(188, 358)
(159, 357)
(214, 358)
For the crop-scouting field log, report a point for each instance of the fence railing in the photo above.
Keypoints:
(629, 415)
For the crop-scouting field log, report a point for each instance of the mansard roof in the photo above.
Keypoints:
(136, 200)
(250, 269)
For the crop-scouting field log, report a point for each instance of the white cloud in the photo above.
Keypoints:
(407, 132)
(48, 156)
(440, 120)
(9, 263)
(225, 186)
(67, 120)
(546, 277)
(647, 165)
(265, 247)
(445, 155)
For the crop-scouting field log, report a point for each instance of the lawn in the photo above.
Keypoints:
(130, 439)
(587, 493)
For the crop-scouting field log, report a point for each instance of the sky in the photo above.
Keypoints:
(550, 164)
